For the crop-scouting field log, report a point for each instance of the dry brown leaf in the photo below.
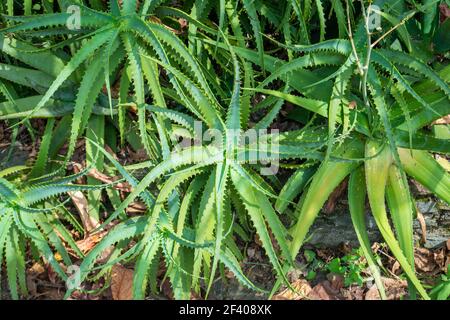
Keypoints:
(439, 259)
(87, 244)
(52, 275)
(445, 12)
(353, 293)
(138, 156)
(122, 186)
(36, 269)
(32, 274)
(396, 269)
(330, 205)
(31, 285)
(395, 289)
(326, 254)
(81, 203)
(183, 23)
(94, 173)
(136, 207)
(138, 3)
(54, 294)
(258, 240)
(447, 260)
(111, 152)
(424, 260)
(115, 89)
(336, 281)
(443, 120)
(423, 226)
(302, 288)
(196, 296)
(121, 283)
(352, 105)
(166, 289)
(324, 291)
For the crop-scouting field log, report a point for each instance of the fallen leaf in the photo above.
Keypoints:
(121, 283)
(324, 291)
(345, 248)
(53, 294)
(138, 156)
(444, 120)
(52, 275)
(257, 240)
(334, 197)
(395, 289)
(31, 285)
(326, 254)
(439, 259)
(89, 243)
(36, 269)
(445, 12)
(183, 23)
(423, 226)
(81, 203)
(424, 260)
(111, 152)
(32, 274)
(352, 105)
(167, 289)
(353, 293)
(396, 269)
(136, 207)
(336, 281)
(301, 287)
(122, 186)
(196, 296)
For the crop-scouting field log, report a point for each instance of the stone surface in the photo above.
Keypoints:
(332, 230)
(337, 228)
(437, 223)
(18, 156)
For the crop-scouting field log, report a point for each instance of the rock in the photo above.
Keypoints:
(331, 231)
(426, 207)
(18, 156)
(337, 228)
(437, 227)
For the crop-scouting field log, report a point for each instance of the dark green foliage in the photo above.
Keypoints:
(349, 101)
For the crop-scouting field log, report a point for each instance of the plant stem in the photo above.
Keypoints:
(367, 62)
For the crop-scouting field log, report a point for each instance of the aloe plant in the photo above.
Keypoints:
(118, 37)
(368, 119)
(31, 216)
(212, 171)
(147, 74)
(112, 47)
